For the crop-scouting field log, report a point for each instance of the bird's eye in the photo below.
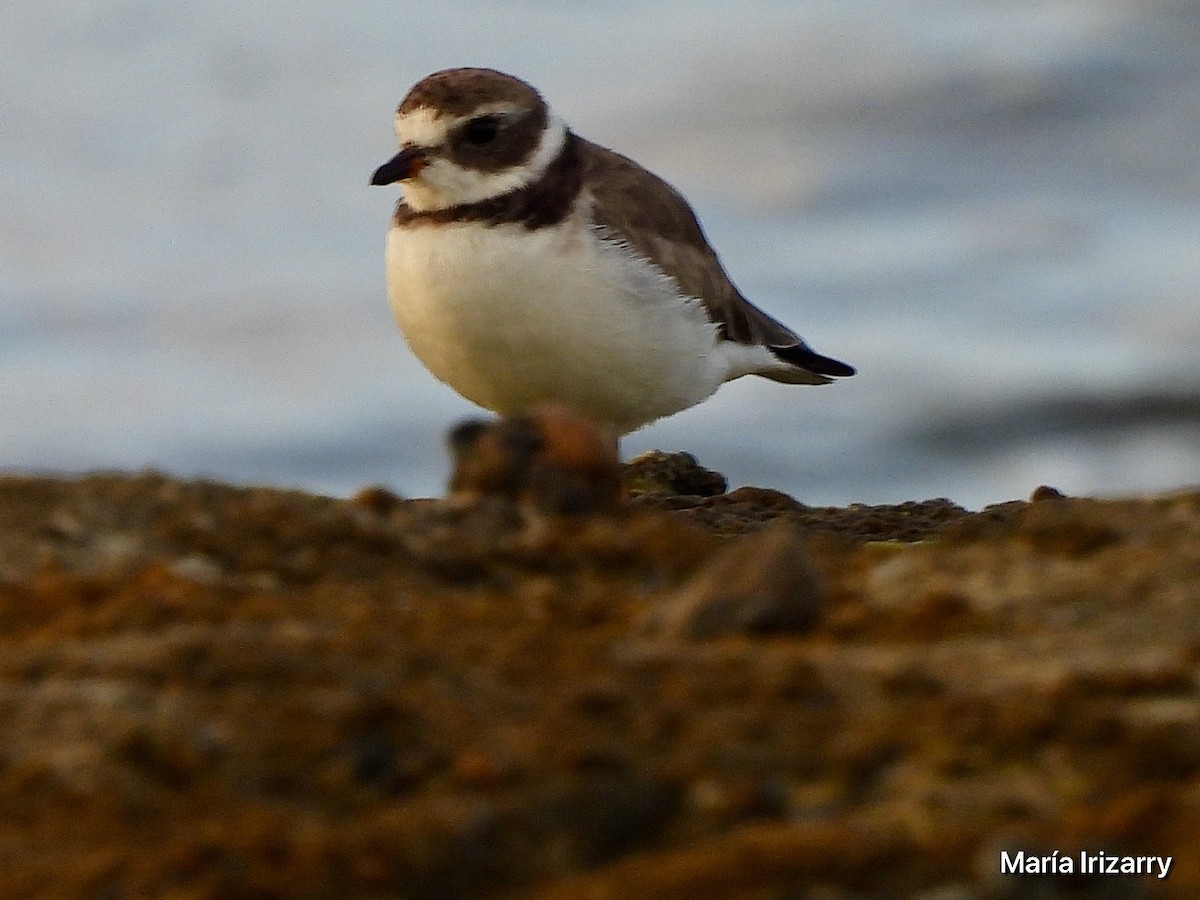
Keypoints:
(482, 130)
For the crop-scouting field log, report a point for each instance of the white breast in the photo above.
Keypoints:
(509, 317)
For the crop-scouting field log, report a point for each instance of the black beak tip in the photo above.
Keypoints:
(400, 167)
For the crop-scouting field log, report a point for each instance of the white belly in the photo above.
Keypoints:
(510, 317)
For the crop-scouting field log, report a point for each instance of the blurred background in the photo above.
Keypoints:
(991, 207)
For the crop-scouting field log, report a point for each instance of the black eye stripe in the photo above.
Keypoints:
(492, 141)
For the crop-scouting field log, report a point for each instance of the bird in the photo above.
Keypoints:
(528, 265)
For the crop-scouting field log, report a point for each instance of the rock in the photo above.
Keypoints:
(550, 459)
(758, 584)
(672, 473)
(210, 691)
(1045, 492)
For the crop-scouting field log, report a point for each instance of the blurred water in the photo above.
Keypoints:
(992, 208)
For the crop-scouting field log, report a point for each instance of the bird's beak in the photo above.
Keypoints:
(401, 167)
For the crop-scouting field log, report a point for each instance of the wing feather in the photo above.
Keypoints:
(656, 221)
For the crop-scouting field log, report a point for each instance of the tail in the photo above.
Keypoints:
(809, 367)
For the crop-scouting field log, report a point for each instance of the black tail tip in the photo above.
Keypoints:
(806, 358)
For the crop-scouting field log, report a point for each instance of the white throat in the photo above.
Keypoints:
(442, 184)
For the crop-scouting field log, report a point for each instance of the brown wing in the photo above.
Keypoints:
(659, 224)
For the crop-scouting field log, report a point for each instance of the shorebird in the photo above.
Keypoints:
(527, 265)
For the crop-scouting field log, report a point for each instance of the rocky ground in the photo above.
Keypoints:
(217, 692)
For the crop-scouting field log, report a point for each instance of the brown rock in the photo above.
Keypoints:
(672, 473)
(758, 584)
(549, 459)
(214, 692)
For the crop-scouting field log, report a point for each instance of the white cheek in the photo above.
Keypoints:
(442, 184)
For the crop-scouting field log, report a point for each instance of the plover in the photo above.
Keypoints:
(526, 264)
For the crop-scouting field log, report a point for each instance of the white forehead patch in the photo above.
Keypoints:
(421, 127)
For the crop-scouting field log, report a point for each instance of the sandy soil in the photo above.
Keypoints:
(219, 692)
